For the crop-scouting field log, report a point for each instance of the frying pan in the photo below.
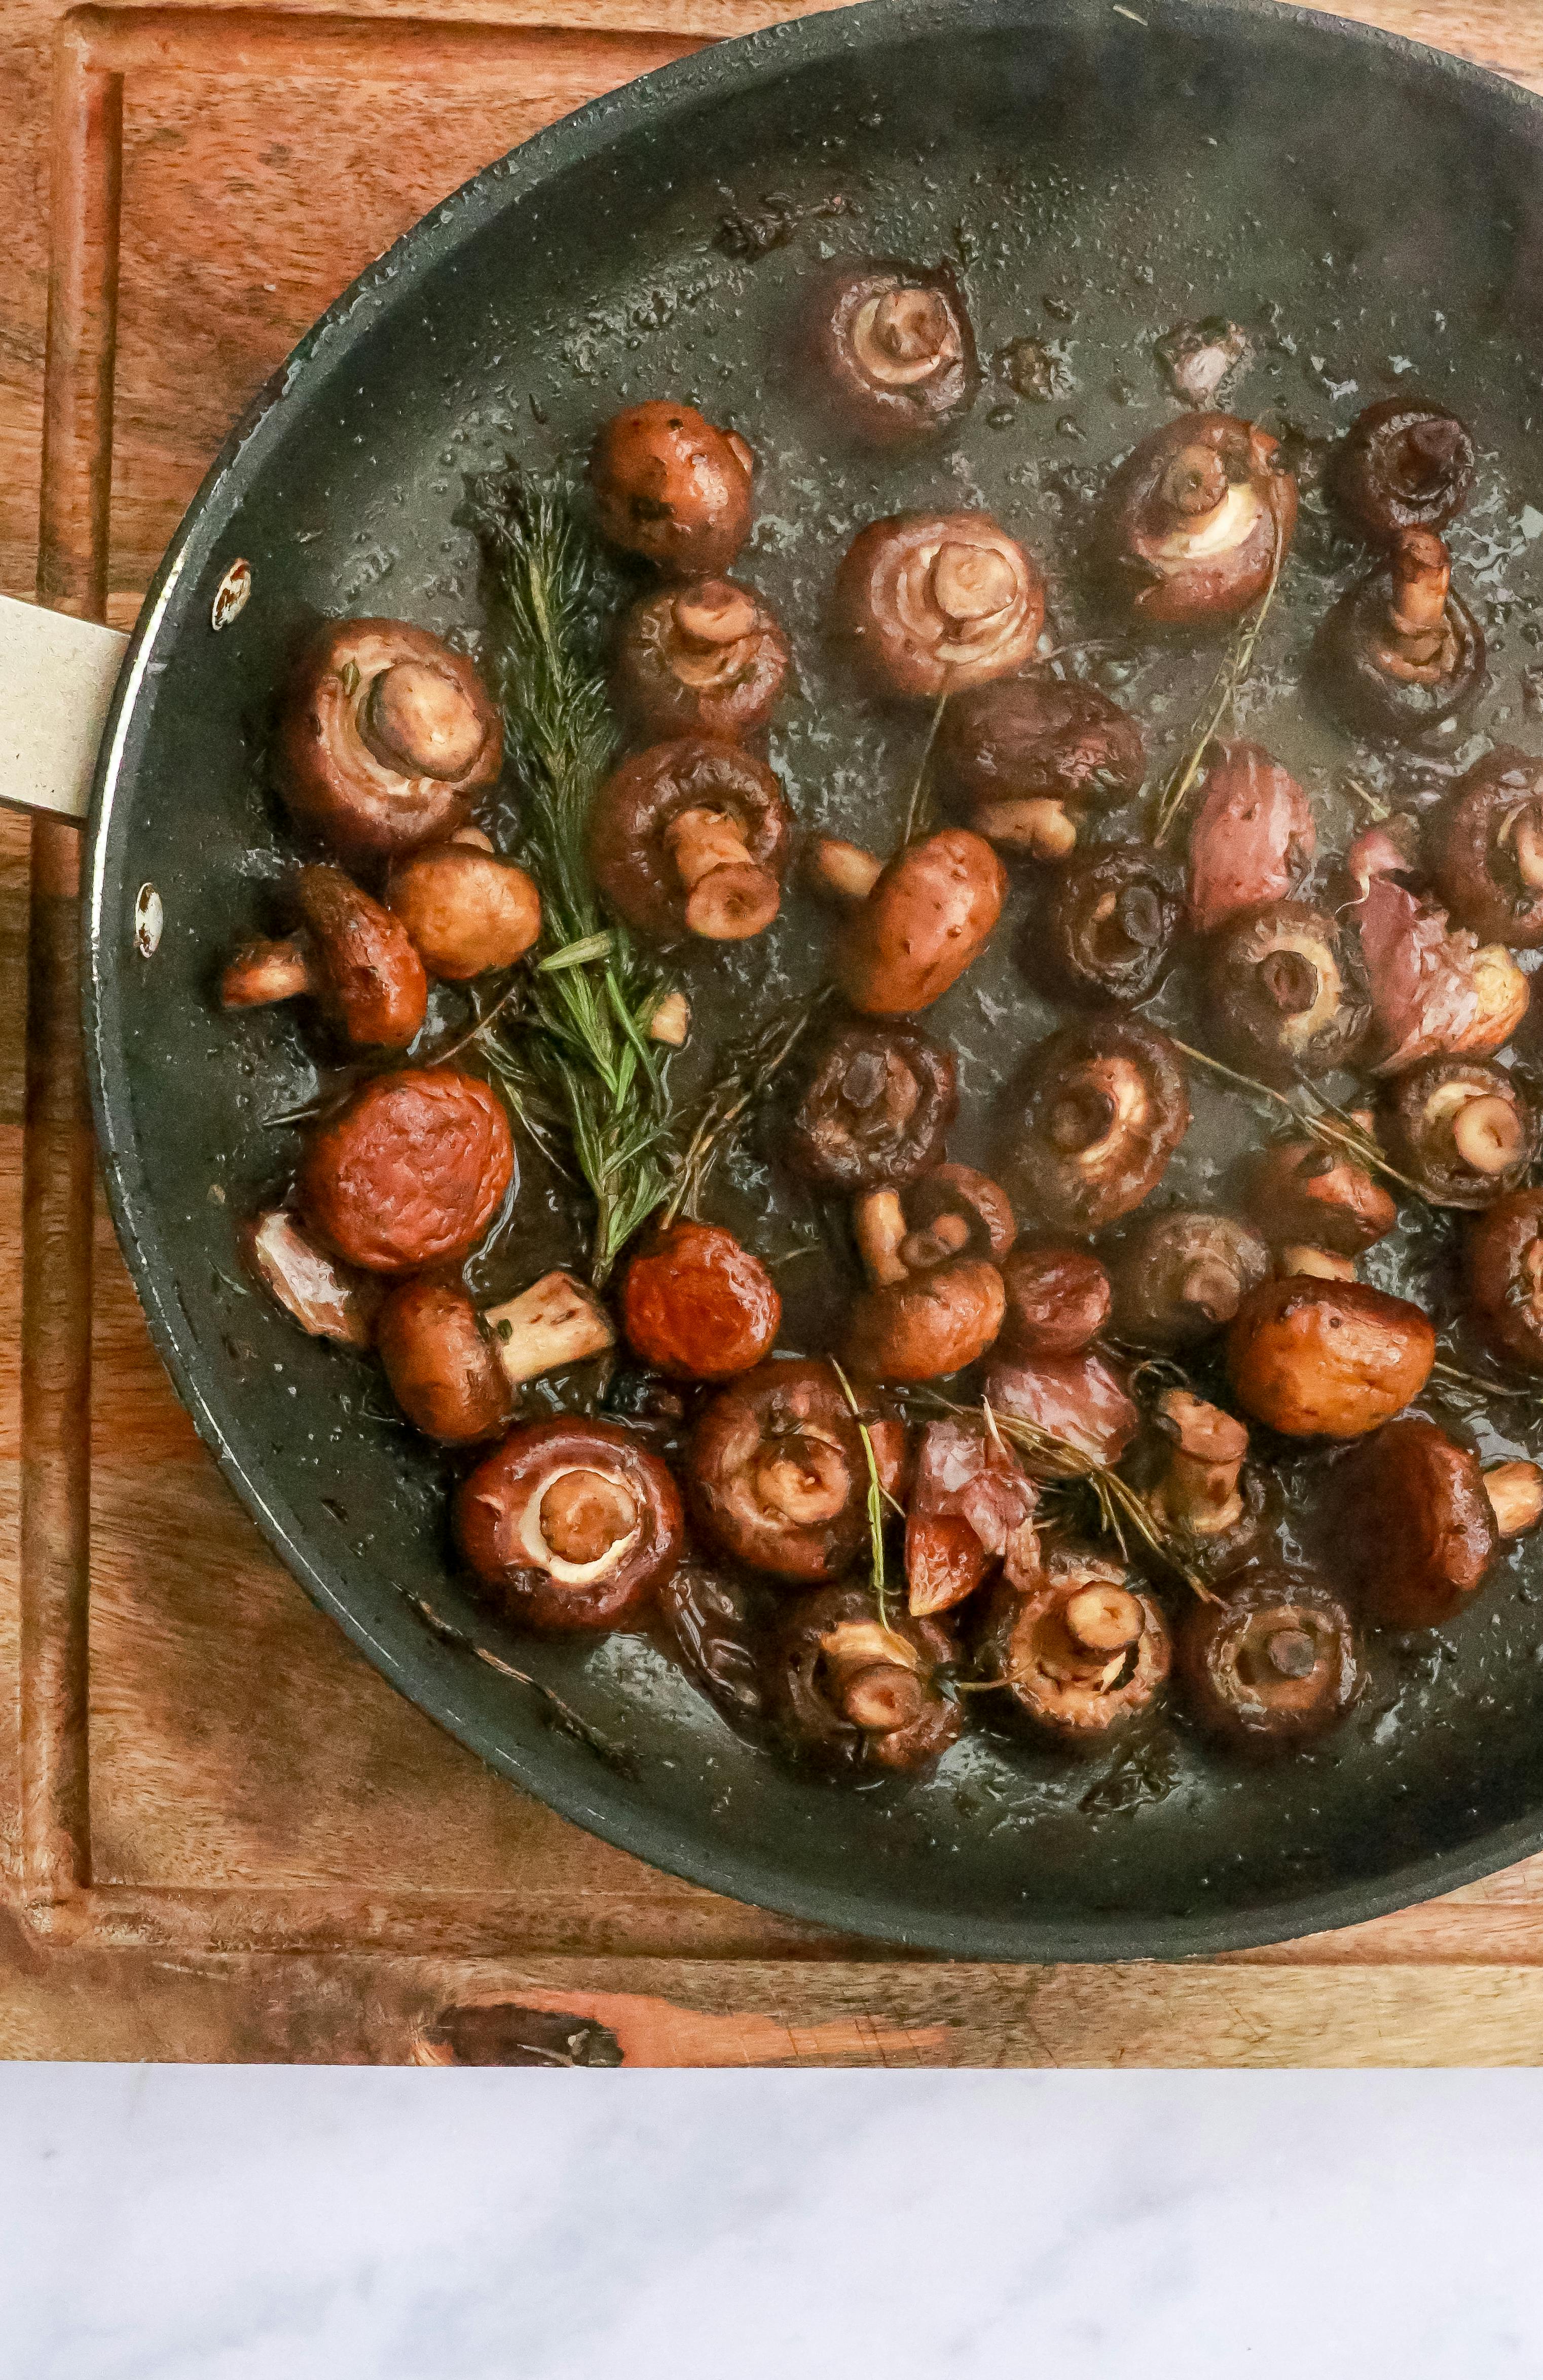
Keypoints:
(1371, 210)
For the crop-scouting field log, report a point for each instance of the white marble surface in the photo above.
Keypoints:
(180, 2224)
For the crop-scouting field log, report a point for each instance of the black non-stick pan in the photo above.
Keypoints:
(1370, 212)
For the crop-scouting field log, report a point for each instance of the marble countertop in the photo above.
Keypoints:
(283, 2224)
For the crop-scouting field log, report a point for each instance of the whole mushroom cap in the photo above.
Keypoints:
(699, 1306)
(1327, 1358)
(890, 347)
(669, 486)
(1416, 1530)
(931, 912)
(937, 601)
(410, 1170)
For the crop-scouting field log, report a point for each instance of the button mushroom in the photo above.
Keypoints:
(1253, 840)
(697, 1305)
(875, 1108)
(931, 912)
(848, 1691)
(1195, 518)
(934, 602)
(669, 486)
(692, 837)
(1413, 1524)
(1432, 989)
(1107, 931)
(1084, 1652)
(453, 1369)
(778, 1476)
(572, 1522)
(927, 1324)
(1272, 1664)
(1287, 994)
(1057, 1300)
(1180, 1278)
(709, 1622)
(1403, 464)
(1095, 1115)
(1461, 1127)
(1079, 1399)
(352, 957)
(1327, 1358)
(1201, 1499)
(971, 1505)
(1301, 1192)
(891, 347)
(385, 737)
(953, 1211)
(1485, 846)
(327, 1299)
(1503, 1263)
(410, 1170)
(1025, 756)
(706, 659)
(466, 910)
(1401, 651)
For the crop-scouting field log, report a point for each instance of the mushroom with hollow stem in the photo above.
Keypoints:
(1402, 652)
(1515, 1493)
(1195, 519)
(1300, 1191)
(1462, 1128)
(1057, 1300)
(699, 1306)
(875, 1108)
(1432, 988)
(572, 1522)
(706, 659)
(669, 486)
(1414, 1527)
(353, 957)
(1107, 931)
(1079, 1398)
(385, 737)
(1326, 1358)
(1179, 1278)
(1092, 1120)
(849, 1691)
(777, 1472)
(935, 601)
(1503, 1263)
(1026, 756)
(1083, 1651)
(929, 914)
(843, 873)
(971, 1504)
(1286, 992)
(1403, 464)
(710, 1625)
(453, 1369)
(410, 1170)
(692, 837)
(467, 910)
(1272, 1662)
(329, 1300)
(890, 348)
(1253, 838)
(1486, 845)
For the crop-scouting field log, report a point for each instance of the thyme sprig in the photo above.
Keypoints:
(875, 1501)
(915, 807)
(1224, 690)
(1332, 1127)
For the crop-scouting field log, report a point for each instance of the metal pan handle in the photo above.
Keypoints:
(56, 680)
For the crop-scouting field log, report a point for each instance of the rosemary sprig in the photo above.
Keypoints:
(914, 808)
(1224, 690)
(875, 1502)
(747, 1075)
(1332, 1127)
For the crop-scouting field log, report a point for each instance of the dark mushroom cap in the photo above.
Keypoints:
(1272, 1663)
(1107, 930)
(1083, 1654)
(1462, 1128)
(891, 347)
(1253, 838)
(1093, 1117)
(697, 1305)
(778, 1477)
(385, 738)
(1300, 1191)
(1057, 1300)
(441, 1364)
(410, 1170)
(466, 910)
(574, 1522)
(936, 601)
(1485, 843)
(329, 1300)
(705, 659)
(1287, 991)
(1180, 1278)
(1403, 464)
(876, 1108)
(1038, 738)
(1502, 1264)
(847, 1689)
(927, 1325)
(364, 969)
(931, 912)
(1375, 686)
(1415, 1528)
(669, 486)
(962, 1201)
(1080, 1398)
(638, 802)
(1193, 519)
(710, 1625)
(1327, 1358)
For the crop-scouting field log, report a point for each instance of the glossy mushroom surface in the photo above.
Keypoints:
(1092, 1120)
(672, 487)
(1025, 756)
(971, 1506)
(847, 1690)
(1485, 843)
(1503, 1267)
(875, 1108)
(1414, 1529)
(936, 601)
(1433, 990)
(442, 1366)
(705, 659)
(1083, 1653)
(1272, 1663)
(1462, 1128)
(1327, 1358)
(1106, 933)
(1403, 464)
(572, 1522)
(932, 911)
(327, 1299)
(353, 957)
(890, 348)
(1195, 518)
(1287, 992)
(692, 837)
(778, 1478)
(1057, 1300)
(1206, 1495)
(466, 910)
(1299, 1191)
(1080, 1399)
(1253, 838)
(1180, 1278)
(698, 1305)
(927, 1324)
(1402, 652)
(410, 1170)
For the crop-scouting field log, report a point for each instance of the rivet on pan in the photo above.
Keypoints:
(148, 918)
(230, 596)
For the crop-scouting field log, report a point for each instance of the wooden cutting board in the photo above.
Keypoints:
(221, 1834)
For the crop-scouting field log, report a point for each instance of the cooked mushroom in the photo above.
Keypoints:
(891, 347)
(1181, 1277)
(1327, 1358)
(1025, 756)
(1402, 652)
(876, 1107)
(1081, 1653)
(692, 837)
(847, 1690)
(1095, 1114)
(778, 1473)
(352, 956)
(1301, 1192)
(1462, 1128)
(1057, 1300)
(1515, 1493)
(385, 738)
(971, 1504)
(952, 1212)
(1201, 1499)
(1253, 839)
(927, 1324)
(842, 872)
(1080, 1399)
(1197, 519)
(706, 659)
(713, 1629)
(327, 1299)
(670, 1021)
(1486, 844)
(931, 912)
(1414, 1526)
(411, 1170)
(1432, 990)
(1319, 1264)
(1287, 991)
(452, 1369)
(466, 910)
(1272, 1663)
(671, 487)
(1107, 931)
(697, 1305)
(934, 602)
(574, 1522)
(1403, 464)
(262, 972)
(1502, 1262)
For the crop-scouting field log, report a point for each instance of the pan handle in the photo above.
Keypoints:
(56, 680)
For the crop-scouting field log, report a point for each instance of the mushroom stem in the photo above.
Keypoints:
(417, 721)
(557, 1320)
(972, 582)
(1489, 1134)
(1526, 835)
(1102, 1619)
(1199, 1493)
(1321, 1264)
(920, 1250)
(670, 1021)
(1422, 582)
(1212, 1289)
(730, 898)
(844, 870)
(874, 1675)
(261, 974)
(717, 616)
(878, 1222)
(1291, 1653)
(473, 837)
(1041, 829)
(804, 1478)
(1196, 485)
(1515, 1493)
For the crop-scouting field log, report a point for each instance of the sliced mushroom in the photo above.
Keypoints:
(706, 659)
(1462, 1128)
(1095, 1115)
(466, 910)
(1300, 1192)
(1195, 518)
(669, 486)
(354, 959)
(572, 1522)
(971, 1505)
(1253, 839)
(891, 347)
(875, 1110)
(1057, 1300)
(1084, 1652)
(1026, 756)
(1402, 652)
(778, 1473)
(1414, 1526)
(1287, 992)
(1502, 1259)
(1403, 464)
(1432, 990)
(849, 1691)
(1486, 842)
(1079, 1399)
(935, 601)
(931, 914)
(1108, 929)
(327, 1299)
(1272, 1664)
(692, 837)
(410, 1170)
(699, 1306)
(1326, 1359)
(453, 1369)
(1180, 1278)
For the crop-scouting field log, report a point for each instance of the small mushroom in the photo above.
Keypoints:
(1403, 464)
(891, 347)
(1300, 1192)
(708, 1616)
(385, 736)
(453, 1369)
(1026, 756)
(1180, 1278)
(327, 1299)
(927, 1324)
(971, 1505)
(1462, 1128)
(572, 1522)
(1503, 1263)
(409, 1171)
(1057, 1300)
(706, 659)
(669, 486)
(1402, 652)
(1107, 931)
(697, 1305)
(935, 601)
(1272, 1663)
(875, 1110)
(1287, 992)
(1485, 846)
(1202, 1497)
(1413, 1527)
(1196, 520)
(1093, 1116)
(1083, 1652)
(931, 914)
(1326, 1359)
(353, 957)
(849, 1691)
(1432, 989)
(1253, 839)
(1079, 1399)
(778, 1475)
(692, 837)
(466, 910)
(953, 1211)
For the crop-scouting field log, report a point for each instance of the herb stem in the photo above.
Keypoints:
(1224, 690)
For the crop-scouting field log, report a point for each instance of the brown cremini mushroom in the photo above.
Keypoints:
(777, 1472)
(848, 1691)
(931, 912)
(1107, 931)
(1180, 1278)
(410, 1170)
(1403, 464)
(697, 1305)
(1402, 652)
(669, 486)
(1057, 1300)
(1462, 1128)
(1432, 989)
(1415, 1528)
(1080, 1399)
(1083, 1652)
(1195, 518)
(572, 1522)
(710, 1625)
(890, 347)
(936, 601)
(329, 1300)
(1026, 756)
(927, 1324)
(1325, 1358)
(353, 957)
(1502, 1264)
(1301, 1192)
(1094, 1117)
(1287, 992)
(453, 1369)
(1202, 1500)
(1272, 1663)
(1253, 839)
(971, 1505)
(466, 910)
(951, 1212)
(1485, 846)
(706, 659)
(875, 1110)
(692, 837)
